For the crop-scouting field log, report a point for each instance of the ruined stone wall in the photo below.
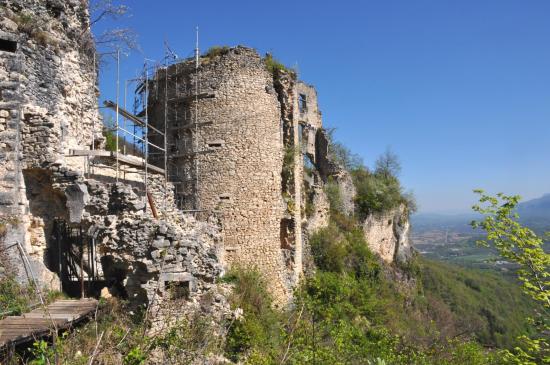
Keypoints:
(47, 106)
(251, 160)
(238, 153)
(52, 77)
(142, 256)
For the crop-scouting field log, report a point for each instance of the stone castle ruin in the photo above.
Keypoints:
(236, 150)
(233, 173)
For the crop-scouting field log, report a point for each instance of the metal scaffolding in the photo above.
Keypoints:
(181, 123)
(150, 148)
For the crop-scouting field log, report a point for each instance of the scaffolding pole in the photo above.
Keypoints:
(197, 58)
(117, 103)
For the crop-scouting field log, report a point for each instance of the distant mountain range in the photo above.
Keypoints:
(535, 208)
(534, 213)
(449, 237)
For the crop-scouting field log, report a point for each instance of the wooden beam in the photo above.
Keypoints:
(112, 105)
(190, 125)
(122, 158)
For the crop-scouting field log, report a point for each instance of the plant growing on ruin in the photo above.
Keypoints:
(110, 40)
(274, 66)
(216, 51)
(341, 154)
(376, 192)
(14, 298)
(6, 221)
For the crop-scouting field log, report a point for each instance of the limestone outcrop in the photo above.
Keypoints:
(387, 234)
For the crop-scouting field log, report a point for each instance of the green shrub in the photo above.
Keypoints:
(260, 329)
(334, 196)
(376, 193)
(274, 66)
(340, 251)
(216, 51)
(110, 140)
(15, 298)
(288, 163)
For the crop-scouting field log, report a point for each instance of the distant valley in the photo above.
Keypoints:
(448, 237)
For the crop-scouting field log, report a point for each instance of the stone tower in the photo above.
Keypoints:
(236, 145)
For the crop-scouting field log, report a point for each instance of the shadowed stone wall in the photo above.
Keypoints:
(47, 106)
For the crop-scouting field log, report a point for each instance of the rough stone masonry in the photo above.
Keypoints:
(247, 145)
(48, 196)
(247, 155)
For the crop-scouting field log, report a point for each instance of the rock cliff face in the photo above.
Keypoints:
(387, 234)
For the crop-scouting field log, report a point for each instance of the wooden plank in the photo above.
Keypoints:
(90, 153)
(40, 322)
(67, 316)
(190, 125)
(126, 114)
(122, 158)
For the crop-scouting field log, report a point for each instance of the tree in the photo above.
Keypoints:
(112, 39)
(522, 246)
(343, 155)
(388, 164)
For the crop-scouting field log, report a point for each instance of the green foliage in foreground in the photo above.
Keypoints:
(343, 314)
(521, 246)
(479, 302)
(14, 298)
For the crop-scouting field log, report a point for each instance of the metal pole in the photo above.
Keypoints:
(117, 102)
(196, 119)
(93, 123)
(28, 263)
(146, 148)
(81, 265)
(59, 256)
(165, 136)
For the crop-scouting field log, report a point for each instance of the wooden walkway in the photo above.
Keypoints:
(61, 314)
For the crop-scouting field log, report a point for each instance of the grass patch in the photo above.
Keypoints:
(275, 67)
(216, 51)
(260, 330)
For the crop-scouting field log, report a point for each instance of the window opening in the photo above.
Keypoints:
(8, 46)
(302, 103)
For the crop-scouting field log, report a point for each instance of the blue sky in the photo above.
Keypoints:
(460, 90)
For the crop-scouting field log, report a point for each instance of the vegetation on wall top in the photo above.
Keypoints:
(274, 66)
(216, 51)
